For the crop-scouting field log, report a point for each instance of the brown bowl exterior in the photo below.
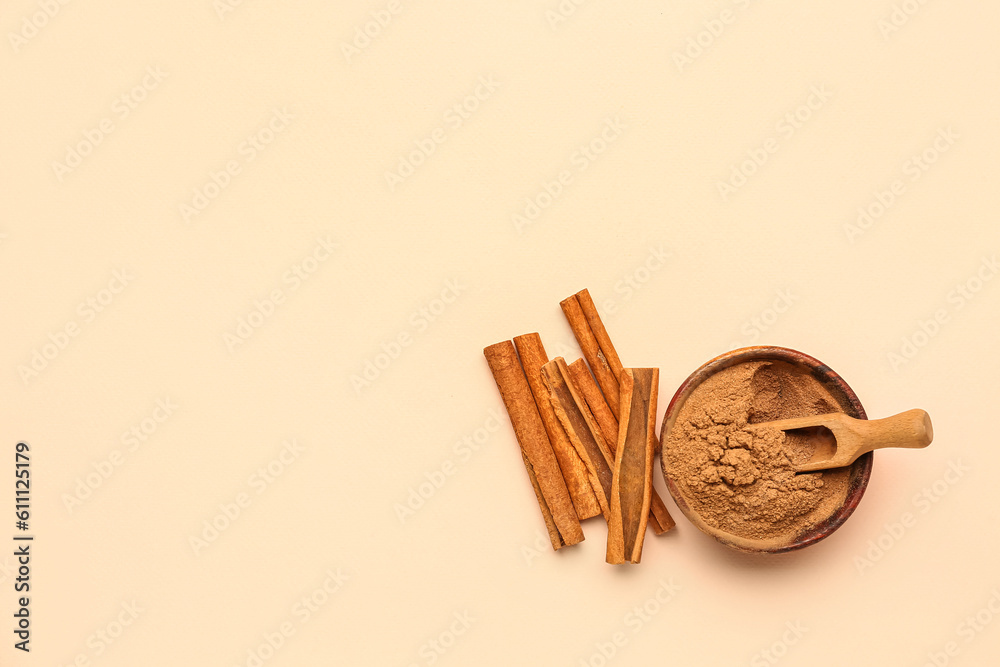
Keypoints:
(860, 470)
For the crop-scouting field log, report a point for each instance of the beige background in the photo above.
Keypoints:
(851, 298)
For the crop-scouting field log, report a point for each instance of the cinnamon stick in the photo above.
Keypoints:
(581, 428)
(584, 383)
(631, 488)
(592, 352)
(533, 357)
(550, 524)
(600, 333)
(659, 517)
(604, 362)
(539, 459)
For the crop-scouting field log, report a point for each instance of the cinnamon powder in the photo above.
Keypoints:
(739, 478)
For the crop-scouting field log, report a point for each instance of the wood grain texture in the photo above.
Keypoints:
(533, 357)
(632, 484)
(581, 428)
(592, 351)
(539, 459)
(840, 439)
(659, 517)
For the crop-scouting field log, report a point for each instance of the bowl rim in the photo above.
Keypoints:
(860, 470)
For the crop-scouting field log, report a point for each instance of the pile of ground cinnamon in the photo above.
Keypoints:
(739, 477)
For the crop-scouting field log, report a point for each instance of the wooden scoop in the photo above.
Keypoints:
(854, 437)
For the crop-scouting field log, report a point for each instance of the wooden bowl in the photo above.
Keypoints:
(860, 470)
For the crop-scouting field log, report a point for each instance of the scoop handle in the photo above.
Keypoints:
(911, 429)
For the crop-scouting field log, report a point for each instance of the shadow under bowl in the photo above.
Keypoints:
(860, 470)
